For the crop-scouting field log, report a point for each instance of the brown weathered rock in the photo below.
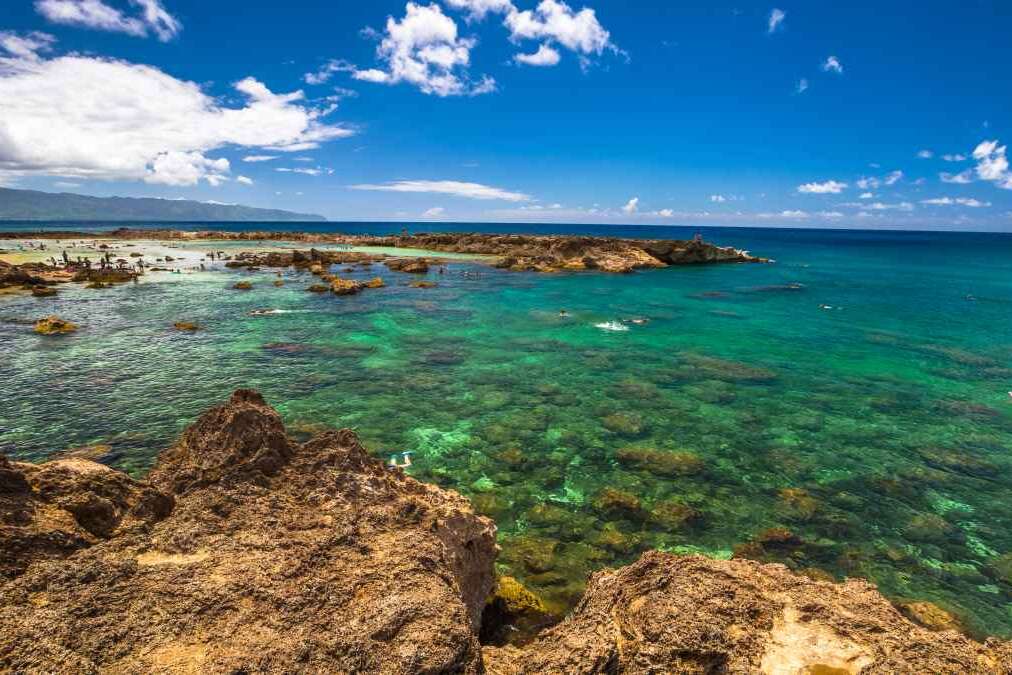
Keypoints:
(341, 286)
(50, 510)
(671, 614)
(409, 265)
(276, 557)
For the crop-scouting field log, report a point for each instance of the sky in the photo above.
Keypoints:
(861, 114)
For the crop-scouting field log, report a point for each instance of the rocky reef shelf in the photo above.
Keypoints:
(246, 551)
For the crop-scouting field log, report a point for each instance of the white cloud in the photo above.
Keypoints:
(830, 214)
(319, 171)
(259, 158)
(954, 201)
(58, 120)
(992, 164)
(718, 199)
(665, 213)
(955, 158)
(833, 65)
(777, 17)
(866, 195)
(26, 46)
(802, 85)
(425, 50)
(632, 206)
(66, 184)
(477, 9)
(925, 154)
(447, 187)
(327, 70)
(545, 56)
(961, 178)
(244, 180)
(879, 206)
(790, 215)
(873, 183)
(186, 168)
(830, 187)
(434, 212)
(100, 16)
(555, 21)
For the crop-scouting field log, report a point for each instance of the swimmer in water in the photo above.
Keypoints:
(563, 313)
(407, 460)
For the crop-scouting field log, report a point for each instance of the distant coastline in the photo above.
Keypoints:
(36, 206)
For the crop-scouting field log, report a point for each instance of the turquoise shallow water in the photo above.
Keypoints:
(855, 393)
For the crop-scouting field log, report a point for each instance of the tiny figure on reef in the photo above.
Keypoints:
(66, 258)
(407, 460)
(698, 238)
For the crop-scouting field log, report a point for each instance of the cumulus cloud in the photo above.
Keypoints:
(96, 14)
(830, 187)
(925, 154)
(87, 117)
(632, 206)
(555, 21)
(665, 213)
(551, 22)
(545, 56)
(718, 199)
(424, 49)
(833, 65)
(478, 9)
(434, 212)
(244, 180)
(447, 187)
(776, 19)
(866, 195)
(956, 201)
(955, 157)
(992, 164)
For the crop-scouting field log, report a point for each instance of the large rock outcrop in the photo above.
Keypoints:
(262, 555)
(675, 614)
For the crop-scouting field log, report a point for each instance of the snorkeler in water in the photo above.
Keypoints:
(393, 464)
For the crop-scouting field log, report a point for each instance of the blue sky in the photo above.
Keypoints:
(864, 115)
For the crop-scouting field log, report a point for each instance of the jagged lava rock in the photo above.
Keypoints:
(673, 614)
(276, 557)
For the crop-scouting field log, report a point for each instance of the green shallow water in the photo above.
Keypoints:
(878, 430)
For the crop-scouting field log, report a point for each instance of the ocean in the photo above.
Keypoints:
(845, 411)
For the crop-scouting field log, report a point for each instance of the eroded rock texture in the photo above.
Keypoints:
(269, 556)
(673, 614)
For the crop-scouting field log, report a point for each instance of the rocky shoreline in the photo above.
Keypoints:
(245, 551)
(544, 253)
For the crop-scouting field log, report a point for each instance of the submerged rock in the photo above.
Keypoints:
(187, 326)
(243, 286)
(409, 265)
(275, 557)
(54, 325)
(672, 614)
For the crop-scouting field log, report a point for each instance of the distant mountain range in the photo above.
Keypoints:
(35, 205)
